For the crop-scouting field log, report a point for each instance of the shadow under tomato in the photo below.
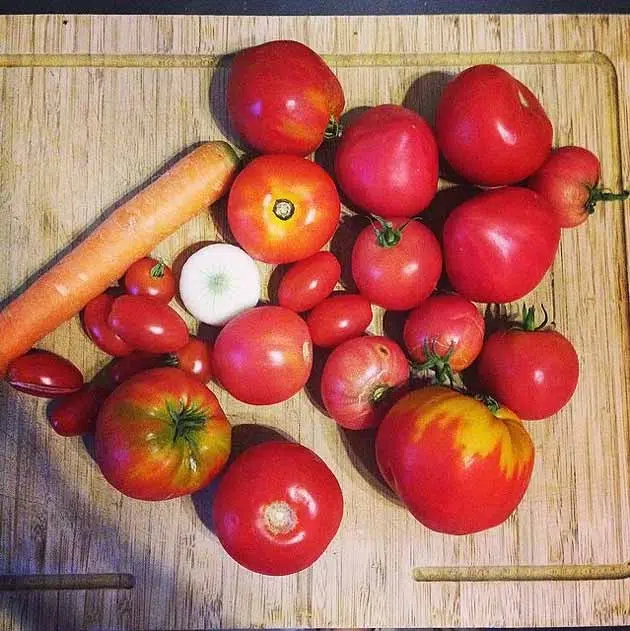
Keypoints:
(243, 437)
(393, 326)
(342, 243)
(217, 97)
(274, 282)
(424, 94)
(313, 387)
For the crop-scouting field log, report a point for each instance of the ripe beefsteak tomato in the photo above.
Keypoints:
(457, 466)
(283, 98)
(499, 244)
(277, 508)
(387, 162)
(491, 128)
(161, 434)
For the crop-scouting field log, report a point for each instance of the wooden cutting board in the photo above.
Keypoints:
(91, 108)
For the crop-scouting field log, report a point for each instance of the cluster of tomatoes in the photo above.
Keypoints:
(448, 398)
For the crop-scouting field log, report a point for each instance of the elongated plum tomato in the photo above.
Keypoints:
(161, 434)
(532, 369)
(44, 374)
(568, 181)
(360, 378)
(277, 508)
(94, 320)
(307, 282)
(283, 208)
(397, 265)
(387, 162)
(339, 318)
(499, 244)
(491, 128)
(449, 327)
(283, 98)
(263, 355)
(457, 466)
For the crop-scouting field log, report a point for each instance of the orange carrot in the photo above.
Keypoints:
(129, 233)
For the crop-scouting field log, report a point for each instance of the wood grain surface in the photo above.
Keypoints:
(76, 137)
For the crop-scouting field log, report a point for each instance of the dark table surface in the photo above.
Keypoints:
(314, 7)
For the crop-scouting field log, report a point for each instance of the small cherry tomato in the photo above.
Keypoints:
(448, 328)
(124, 367)
(94, 319)
(309, 281)
(283, 208)
(148, 324)
(195, 359)
(150, 277)
(277, 508)
(44, 374)
(75, 414)
(339, 318)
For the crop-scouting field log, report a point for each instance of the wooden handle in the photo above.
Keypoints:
(523, 573)
(32, 582)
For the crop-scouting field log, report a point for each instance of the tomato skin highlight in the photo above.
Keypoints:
(307, 282)
(491, 128)
(535, 373)
(263, 355)
(281, 97)
(457, 467)
(445, 321)
(283, 208)
(94, 320)
(359, 379)
(499, 245)
(150, 277)
(148, 324)
(161, 434)
(339, 318)
(44, 374)
(387, 162)
(277, 508)
(399, 277)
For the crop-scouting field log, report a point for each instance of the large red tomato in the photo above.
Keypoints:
(448, 327)
(457, 466)
(568, 181)
(499, 245)
(277, 508)
(360, 378)
(161, 434)
(387, 162)
(398, 265)
(283, 98)
(283, 208)
(532, 370)
(264, 355)
(491, 128)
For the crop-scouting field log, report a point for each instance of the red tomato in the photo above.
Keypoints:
(277, 508)
(150, 277)
(95, 325)
(359, 379)
(195, 359)
(161, 434)
(491, 128)
(75, 414)
(457, 466)
(499, 245)
(398, 266)
(283, 208)
(148, 324)
(387, 162)
(121, 369)
(568, 181)
(263, 355)
(283, 98)
(339, 318)
(449, 326)
(44, 374)
(532, 370)
(309, 281)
